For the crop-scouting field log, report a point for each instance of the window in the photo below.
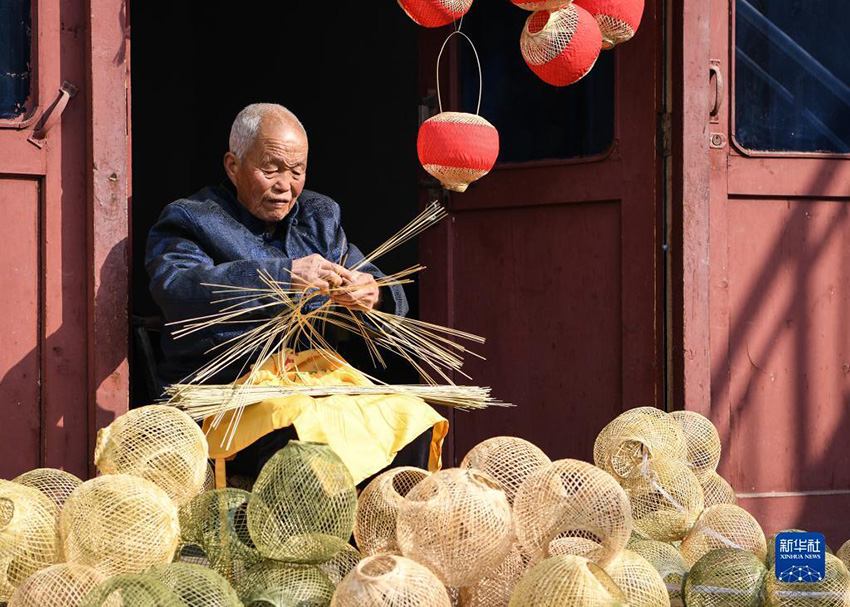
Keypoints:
(15, 66)
(536, 121)
(792, 75)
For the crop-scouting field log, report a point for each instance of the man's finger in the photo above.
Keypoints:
(331, 277)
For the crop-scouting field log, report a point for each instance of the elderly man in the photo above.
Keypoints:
(262, 219)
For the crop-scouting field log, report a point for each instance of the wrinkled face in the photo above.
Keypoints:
(271, 175)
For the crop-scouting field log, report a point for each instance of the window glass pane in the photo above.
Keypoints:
(792, 75)
(535, 120)
(15, 67)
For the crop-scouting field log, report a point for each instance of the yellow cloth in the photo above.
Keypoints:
(365, 431)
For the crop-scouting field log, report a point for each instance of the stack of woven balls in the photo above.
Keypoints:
(650, 525)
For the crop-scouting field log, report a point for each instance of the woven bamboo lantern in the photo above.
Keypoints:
(541, 5)
(702, 441)
(28, 539)
(119, 524)
(276, 584)
(562, 46)
(55, 484)
(716, 490)
(572, 507)
(390, 580)
(195, 585)
(435, 13)
(639, 580)
(495, 589)
(377, 509)
(669, 564)
(132, 589)
(63, 585)
(832, 591)
(666, 498)
(723, 526)
(726, 576)
(618, 19)
(303, 506)
(458, 524)
(341, 565)
(508, 459)
(844, 553)
(567, 580)
(158, 443)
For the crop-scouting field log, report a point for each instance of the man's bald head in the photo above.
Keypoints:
(253, 118)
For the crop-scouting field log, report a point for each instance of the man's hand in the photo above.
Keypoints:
(361, 292)
(314, 271)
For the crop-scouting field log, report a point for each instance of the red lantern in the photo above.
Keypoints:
(561, 47)
(618, 19)
(457, 148)
(541, 5)
(435, 13)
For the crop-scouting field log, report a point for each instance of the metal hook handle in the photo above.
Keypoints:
(714, 70)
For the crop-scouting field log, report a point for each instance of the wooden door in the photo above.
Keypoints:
(555, 256)
(778, 139)
(63, 176)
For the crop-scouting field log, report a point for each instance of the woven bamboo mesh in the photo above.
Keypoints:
(458, 524)
(196, 586)
(639, 580)
(119, 524)
(389, 580)
(193, 554)
(716, 490)
(723, 526)
(666, 498)
(546, 35)
(341, 564)
(495, 589)
(572, 507)
(541, 5)
(844, 553)
(832, 591)
(433, 13)
(28, 539)
(132, 590)
(377, 509)
(726, 577)
(457, 178)
(507, 459)
(303, 505)
(276, 584)
(636, 435)
(63, 585)
(209, 478)
(567, 580)
(669, 564)
(217, 523)
(614, 31)
(702, 441)
(55, 484)
(158, 443)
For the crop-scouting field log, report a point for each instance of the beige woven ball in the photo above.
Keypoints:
(132, 590)
(669, 564)
(341, 564)
(377, 509)
(666, 498)
(716, 490)
(195, 585)
(389, 580)
(119, 524)
(55, 484)
(158, 443)
(635, 436)
(844, 553)
(28, 539)
(507, 459)
(495, 589)
(723, 526)
(639, 580)
(567, 580)
(63, 585)
(458, 524)
(276, 584)
(832, 591)
(727, 577)
(702, 441)
(572, 507)
(217, 523)
(303, 505)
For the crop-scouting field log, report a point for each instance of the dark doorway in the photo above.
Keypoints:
(348, 73)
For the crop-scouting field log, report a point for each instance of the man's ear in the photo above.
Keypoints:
(231, 166)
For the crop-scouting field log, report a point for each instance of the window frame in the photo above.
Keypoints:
(31, 115)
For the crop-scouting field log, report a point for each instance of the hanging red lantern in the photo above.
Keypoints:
(455, 147)
(435, 13)
(541, 5)
(618, 19)
(561, 47)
